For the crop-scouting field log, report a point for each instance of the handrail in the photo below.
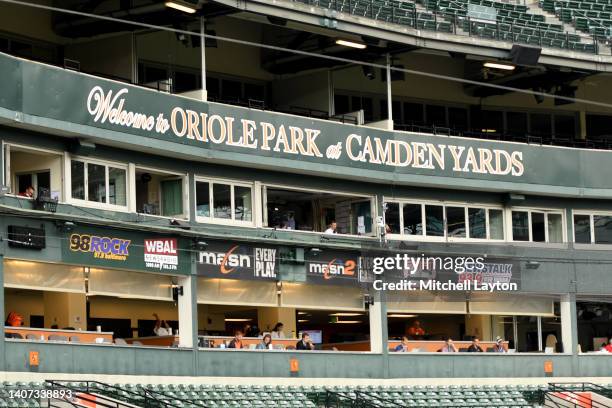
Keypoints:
(100, 388)
(577, 399)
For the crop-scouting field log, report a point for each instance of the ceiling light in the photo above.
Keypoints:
(237, 320)
(303, 321)
(302, 313)
(177, 5)
(350, 43)
(346, 314)
(349, 322)
(406, 316)
(488, 130)
(500, 65)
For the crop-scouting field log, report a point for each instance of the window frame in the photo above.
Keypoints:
(94, 204)
(363, 197)
(10, 180)
(446, 238)
(185, 197)
(214, 220)
(591, 215)
(545, 212)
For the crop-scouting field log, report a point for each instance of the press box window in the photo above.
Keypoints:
(25, 167)
(221, 201)
(159, 193)
(313, 211)
(537, 226)
(450, 221)
(98, 183)
(596, 229)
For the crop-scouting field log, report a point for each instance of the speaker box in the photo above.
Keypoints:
(524, 55)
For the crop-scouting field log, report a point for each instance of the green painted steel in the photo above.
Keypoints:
(75, 104)
(96, 359)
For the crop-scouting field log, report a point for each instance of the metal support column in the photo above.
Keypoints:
(389, 95)
(203, 57)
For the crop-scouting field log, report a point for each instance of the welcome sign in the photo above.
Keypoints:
(113, 107)
(104, 111)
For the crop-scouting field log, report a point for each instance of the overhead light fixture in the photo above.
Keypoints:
(350, 43)
(302, 313)
(348, 322)
(181, 6)
(303, 321)
(500, 65)
(401, 315)
(346, 314)
(237, 320)
(488, 130)
(532, 265)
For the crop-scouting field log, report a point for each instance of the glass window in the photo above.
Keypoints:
(458, 118)
(602, 225)
(202, 199)
(392, 218)
(565, 126)
(222, 201)
(520, 225)
(516, 123)
(242, 203)
(434, 220)
(541, 124)
(116, 186)
(96, 184)
(436, 115)
(413, 113)
(555, 228)
(582, 229)
(43, 180)
(172, 197)
(77, 175)
(413, 223)
(538, 228)
(478, 223)
(455, 222)
(496, 224)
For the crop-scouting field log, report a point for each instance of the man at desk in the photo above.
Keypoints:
(416, 331)
(305, 343)
(403, 346)
(166, 330)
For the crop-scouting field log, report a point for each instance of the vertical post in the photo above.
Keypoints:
(203, 57)
(2, 313)
(331, 104)
(389, 95)
(569, 323)
(539, 323)
(134, 59)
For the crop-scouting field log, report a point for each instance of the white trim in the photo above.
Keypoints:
(211, 219)
(591, 215)
(184, 177)
(6, 162)
(444, 204)
(338, 193)
(94, 204)
(545, 212)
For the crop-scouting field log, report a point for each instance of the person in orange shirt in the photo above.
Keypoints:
(236, 342)
(14, 320)
(608, 347)
(416, 331)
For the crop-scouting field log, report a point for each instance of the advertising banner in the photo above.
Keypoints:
(125, 250)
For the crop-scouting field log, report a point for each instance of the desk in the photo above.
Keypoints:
(84, 336)
(432, 346)
(159, 341)
(247, 341)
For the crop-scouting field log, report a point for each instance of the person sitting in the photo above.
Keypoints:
(331, 228)
(162, 328)
(28, 192)
(608, 347)
(416, 331)
(499, 346)
(266, 343)
(277, 332)
(403, 346)
(475, 346)
(14, 320)
(236, 342)
(449, 346)
(305, 343)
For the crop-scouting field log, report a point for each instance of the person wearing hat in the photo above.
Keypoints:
(499, 346)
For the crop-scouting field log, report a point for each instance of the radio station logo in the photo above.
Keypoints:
(161, 253)
(262, 262)
(115, 249)
(335, 267)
